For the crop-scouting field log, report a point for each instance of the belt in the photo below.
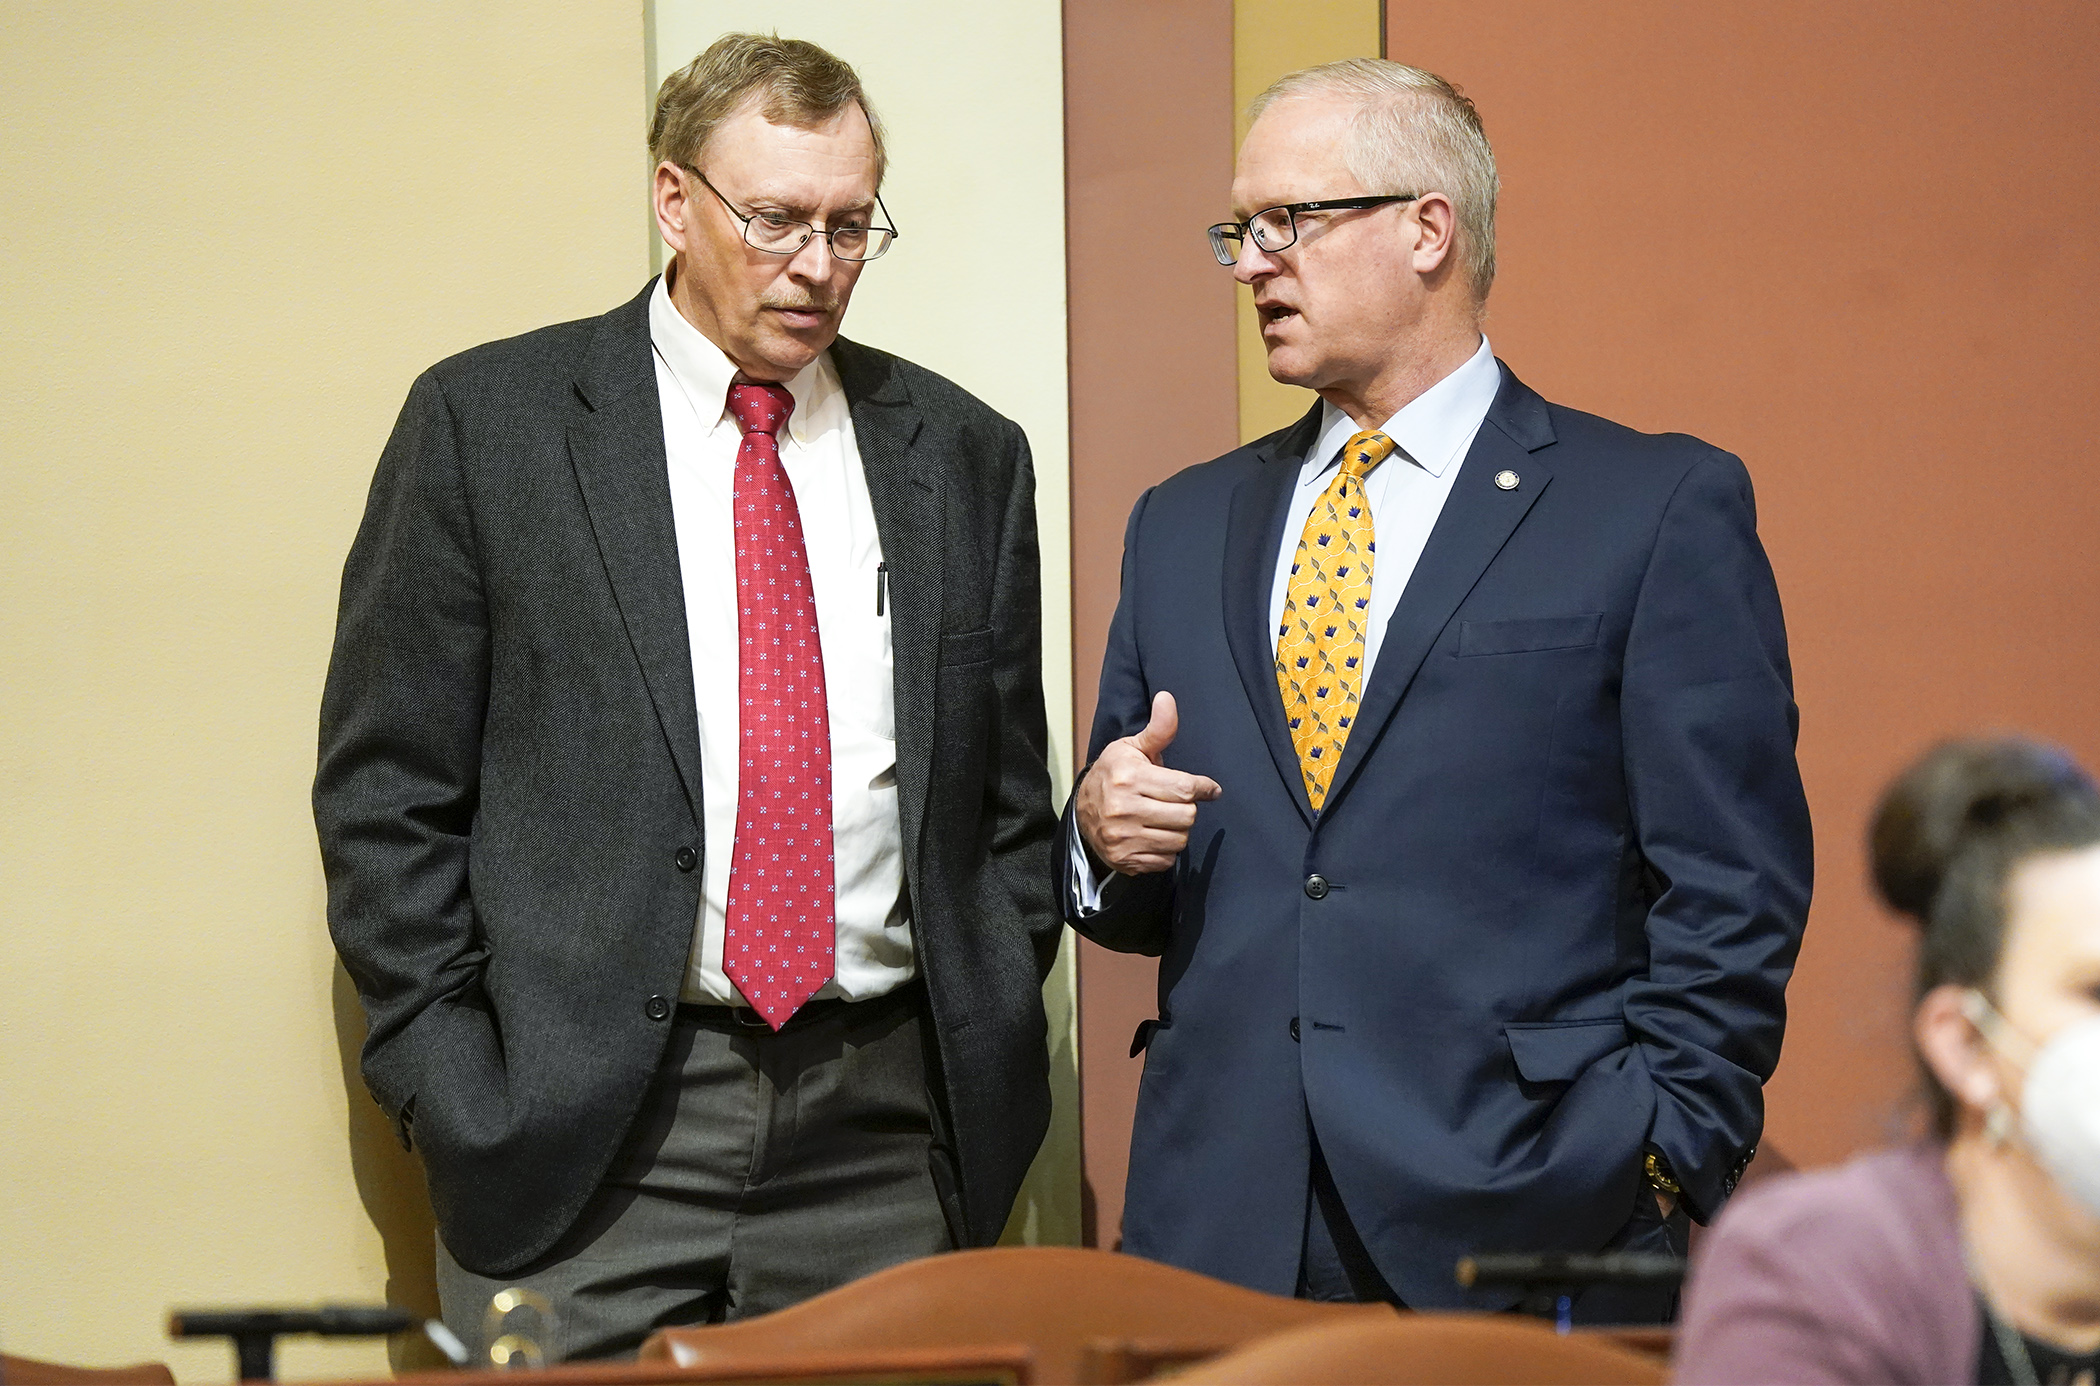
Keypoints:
(810, 1012)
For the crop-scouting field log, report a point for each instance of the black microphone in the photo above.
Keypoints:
(255, 1331)
(1571, 1270)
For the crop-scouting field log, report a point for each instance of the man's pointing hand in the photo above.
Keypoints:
(1133, 811)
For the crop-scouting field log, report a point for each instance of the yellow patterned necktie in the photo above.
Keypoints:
(1326, 614)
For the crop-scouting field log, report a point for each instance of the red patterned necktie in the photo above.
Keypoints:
(782, 918)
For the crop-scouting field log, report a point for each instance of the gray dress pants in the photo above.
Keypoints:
(763, 1168)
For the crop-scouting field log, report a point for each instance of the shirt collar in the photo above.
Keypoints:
(705, 372)
(1431, 429)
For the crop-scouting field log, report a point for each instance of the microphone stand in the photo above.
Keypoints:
(1549, 1280)
(255, 1331)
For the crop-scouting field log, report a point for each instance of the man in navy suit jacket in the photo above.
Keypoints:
(1506, 969)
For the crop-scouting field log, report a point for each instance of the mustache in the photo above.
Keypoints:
(807, 303)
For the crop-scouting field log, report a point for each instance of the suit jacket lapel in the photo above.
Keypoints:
(1253, 537)
(1477, 520)
(622, 471)
(905, 489)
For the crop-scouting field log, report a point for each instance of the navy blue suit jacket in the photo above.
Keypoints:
(1566, 861)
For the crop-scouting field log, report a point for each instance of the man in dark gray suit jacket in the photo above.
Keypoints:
(682, 788)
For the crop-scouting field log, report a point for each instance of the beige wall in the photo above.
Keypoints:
(975, 289)
(233, 234)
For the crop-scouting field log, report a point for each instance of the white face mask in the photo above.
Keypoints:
(2059, 1102)
(2060, 1111)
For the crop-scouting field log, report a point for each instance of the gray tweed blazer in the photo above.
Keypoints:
(508, 794)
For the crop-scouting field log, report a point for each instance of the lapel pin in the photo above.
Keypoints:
(1506, 480)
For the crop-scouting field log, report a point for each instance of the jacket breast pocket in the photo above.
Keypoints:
(1528, 635)
(1558, 1051)
(966, 647)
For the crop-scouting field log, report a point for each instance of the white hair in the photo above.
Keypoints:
(1413, 133)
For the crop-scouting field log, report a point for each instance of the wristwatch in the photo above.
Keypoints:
(1658, 1171)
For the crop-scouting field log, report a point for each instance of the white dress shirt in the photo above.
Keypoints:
(873, 952)
(1433, 432)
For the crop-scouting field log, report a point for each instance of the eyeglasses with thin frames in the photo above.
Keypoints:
(778, 235)
(1276, 228)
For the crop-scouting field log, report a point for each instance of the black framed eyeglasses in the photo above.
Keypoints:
(778, 235)
(1277, 228)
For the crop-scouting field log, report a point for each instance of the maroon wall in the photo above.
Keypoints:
(1148, 165)
(1854, 243)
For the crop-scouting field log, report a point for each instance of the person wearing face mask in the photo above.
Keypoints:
(1974, 1255)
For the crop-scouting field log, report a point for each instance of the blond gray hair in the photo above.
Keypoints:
(795, 82)
(1413, 132)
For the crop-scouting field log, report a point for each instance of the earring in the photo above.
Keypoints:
(1998, 1124)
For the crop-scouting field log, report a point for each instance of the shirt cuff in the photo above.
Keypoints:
(1088, 889)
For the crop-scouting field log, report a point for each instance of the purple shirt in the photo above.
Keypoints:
(1852, 1274)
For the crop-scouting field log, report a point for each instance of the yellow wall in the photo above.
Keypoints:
(1269, 39)
(974, 288)
(232, 235)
